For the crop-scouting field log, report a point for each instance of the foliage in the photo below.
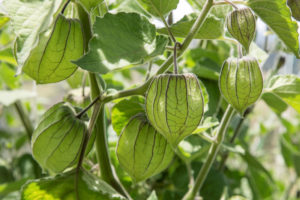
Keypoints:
(149, 111)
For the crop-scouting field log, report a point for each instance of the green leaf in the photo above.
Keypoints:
(287, 88)
(50, 60)
(193, 147)
(132, 6)
(9, 97)
(159, 7)
(274, 102)
(6, 55)
(212, 27)
(287, 149)
(124, 110)
(62, 187)
(277, 16)
(7, 75)
(91, 4)
(28, 19)
(260, 179)
(295, 8)
(208, 122)
(121, 39)
(13, 186)
(3, 20)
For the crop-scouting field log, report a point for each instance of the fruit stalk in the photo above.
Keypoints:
(213, 151)
(24, 118)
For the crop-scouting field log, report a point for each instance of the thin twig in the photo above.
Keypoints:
(168, 28)
(219, 3)
(149, 70)
(175, 57)
(24, 118)
(79, 115)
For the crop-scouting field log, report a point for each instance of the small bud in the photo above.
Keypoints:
(241, 82)
(174, 105)
(141, 150)
(241, 25)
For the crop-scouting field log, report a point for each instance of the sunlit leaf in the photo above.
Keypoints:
(29, 18)
(121, 39)
(212, 27)
(63, 187)
(124, 110)
(277, 16)
(287, 88)
(159, 7)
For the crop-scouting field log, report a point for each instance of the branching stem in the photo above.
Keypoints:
(213, 151)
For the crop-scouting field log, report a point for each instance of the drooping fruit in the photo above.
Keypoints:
(241, 82)
(174, 105)
(141, 150)
(241, 24)
(57, 140)
(50, 60)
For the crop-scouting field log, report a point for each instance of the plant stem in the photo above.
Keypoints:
(98, 117)
(24, 118)
(149, 70)
(168, 28)
(290, 188)
(175, 57)
(101, 143)
(79, 115)
(231, 3)
(213, 151)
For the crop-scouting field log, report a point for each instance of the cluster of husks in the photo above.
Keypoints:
(57, 140)
(141, 150)
(174, 108)
(241, 80)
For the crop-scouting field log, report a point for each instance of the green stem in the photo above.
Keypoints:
(213, 151)
(226, 154)
(24, 118)
(168, 28)
(98, 117)
(229, 2)
(101, 143)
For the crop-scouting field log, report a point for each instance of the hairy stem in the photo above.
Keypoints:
(24, 118)
(213, 151)
(98, 119)
(101, 142)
